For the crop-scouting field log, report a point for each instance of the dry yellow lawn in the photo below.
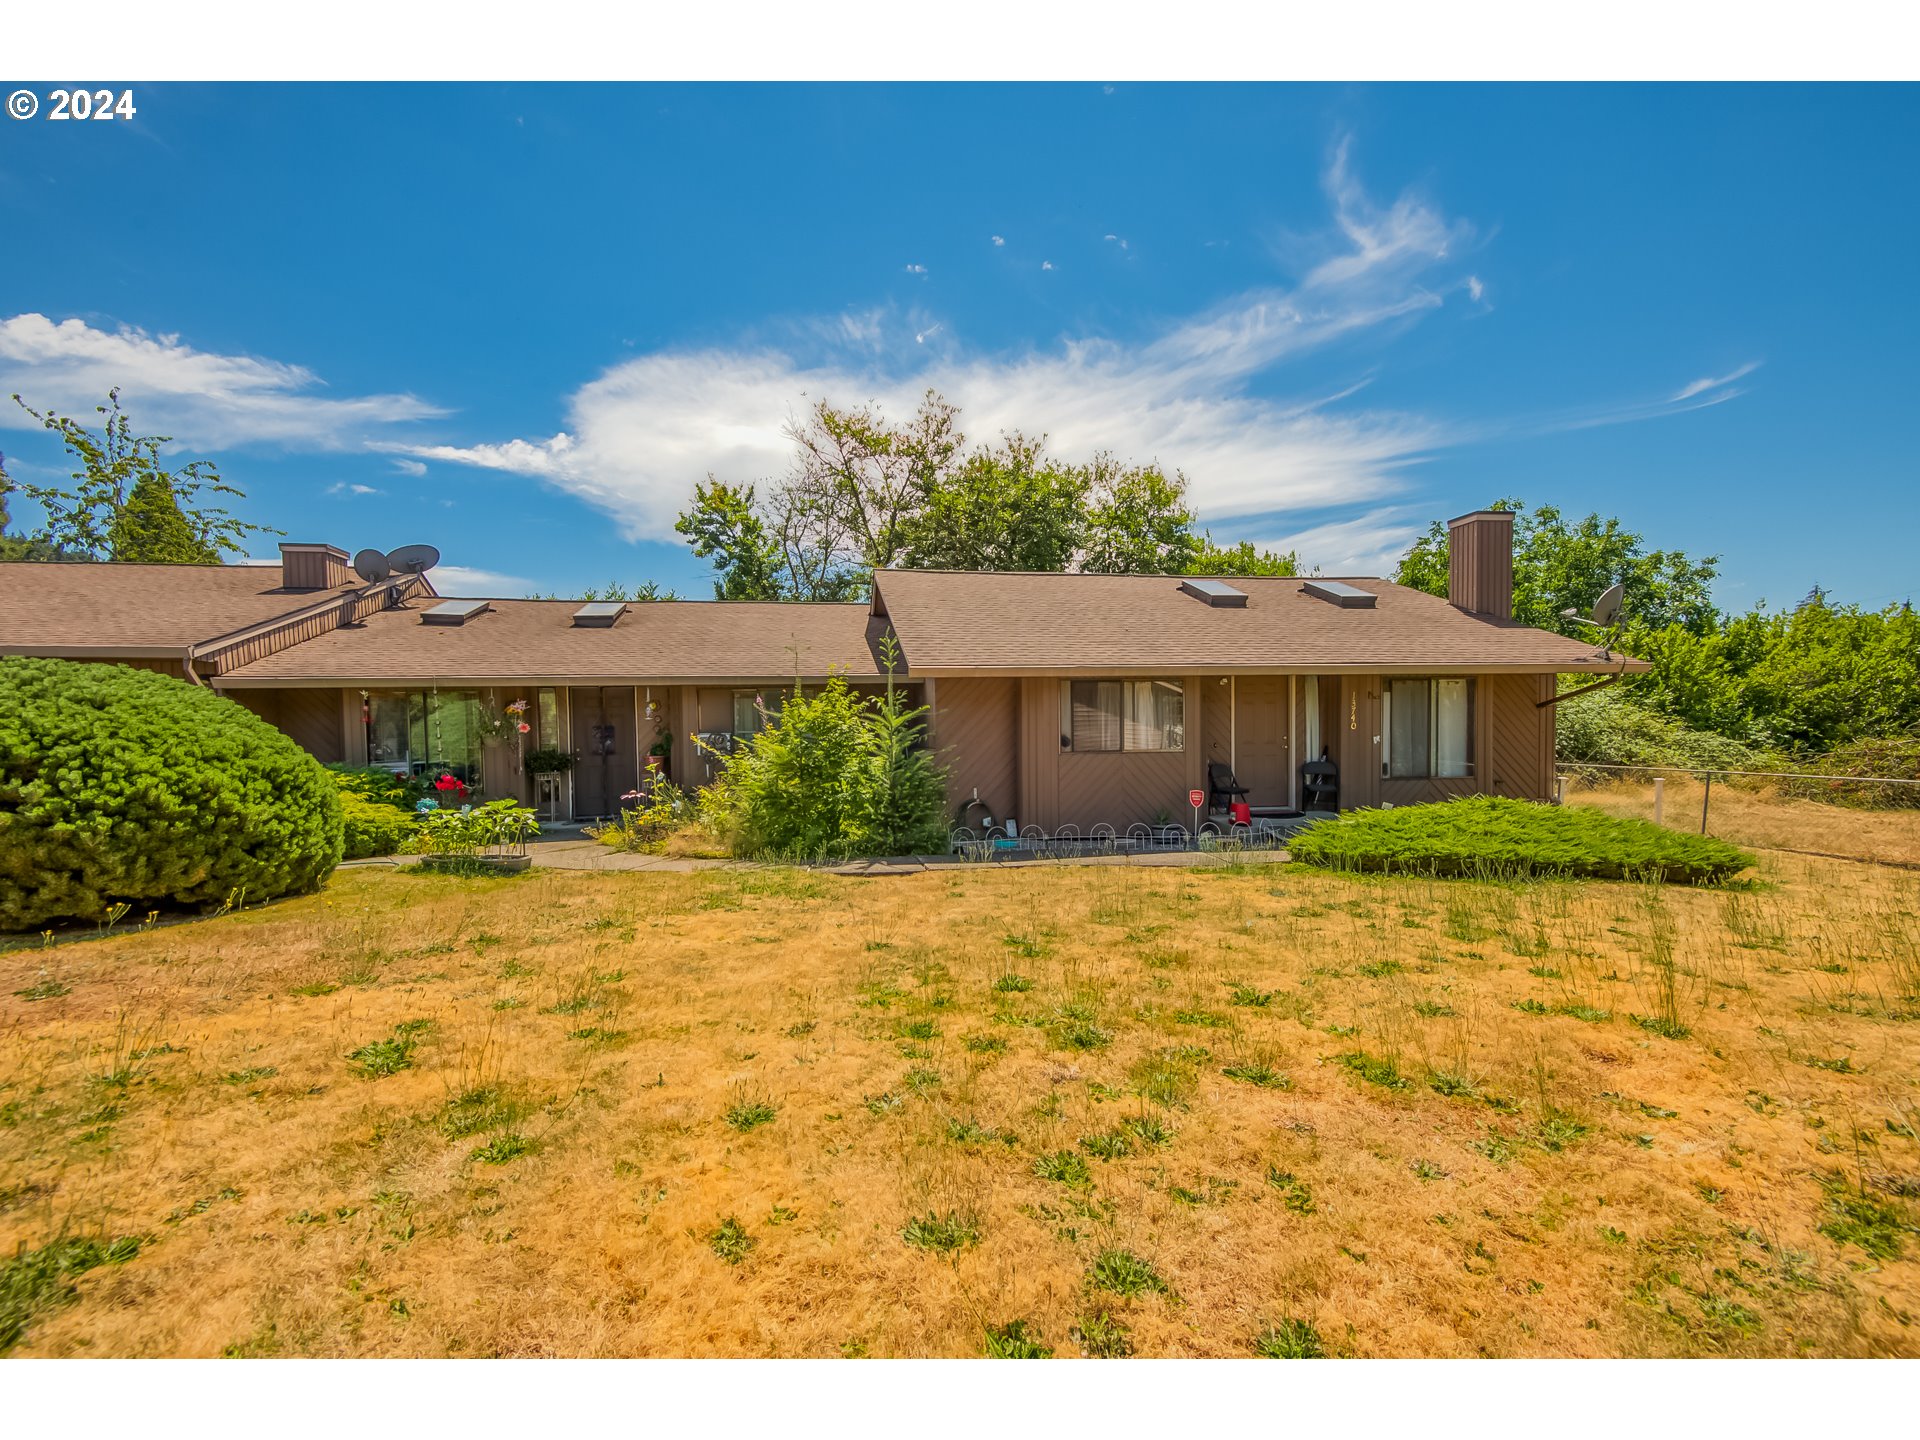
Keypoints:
(1759, 817)
(1522, 1183)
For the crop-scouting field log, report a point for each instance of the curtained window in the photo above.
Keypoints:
(1136, 715)
(1428, 727)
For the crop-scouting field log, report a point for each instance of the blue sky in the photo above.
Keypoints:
(520, 321)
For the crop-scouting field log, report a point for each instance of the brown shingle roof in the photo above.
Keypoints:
(534, 640)
(127, 609)
(962, 621)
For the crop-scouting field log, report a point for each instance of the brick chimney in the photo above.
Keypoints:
(1480, 563)
(314, 567)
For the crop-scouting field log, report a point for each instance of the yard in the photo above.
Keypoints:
(1222, 1111)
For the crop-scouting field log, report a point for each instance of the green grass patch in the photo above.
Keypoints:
(1015, 1340)
(1126, 1274)
(730, 1241)
(1289, 1340)
(35, 1281)
(941, 1231)
(1489, 837)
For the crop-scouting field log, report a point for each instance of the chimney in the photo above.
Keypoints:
(313, 567)
(1480, 563)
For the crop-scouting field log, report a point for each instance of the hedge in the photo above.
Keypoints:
(122, 786)
(1484, 835)
(372, 828)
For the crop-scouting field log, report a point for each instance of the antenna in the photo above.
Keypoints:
(371, 565)
(412, 559)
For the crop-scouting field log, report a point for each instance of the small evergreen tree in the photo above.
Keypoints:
(150, 528)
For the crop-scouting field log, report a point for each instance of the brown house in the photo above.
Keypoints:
(1054, 699)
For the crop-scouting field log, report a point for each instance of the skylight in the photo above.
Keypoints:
(453, 612)
(599, 615)
(1216, 593)
(1347, 597)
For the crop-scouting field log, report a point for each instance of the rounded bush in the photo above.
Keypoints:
(372, 828)
(126, 786)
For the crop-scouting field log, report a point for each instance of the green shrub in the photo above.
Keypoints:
(127, 786)
(1486, 836)
(379, 785)
(1607, 728)
(1891, 757)
(372, 828)
(832, 774)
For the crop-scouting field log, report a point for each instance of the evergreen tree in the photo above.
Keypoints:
(150, 529)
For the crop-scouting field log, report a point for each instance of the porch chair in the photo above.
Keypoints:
(1222, 788)
(1320, 785)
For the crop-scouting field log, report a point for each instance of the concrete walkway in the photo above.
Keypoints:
(568, 852)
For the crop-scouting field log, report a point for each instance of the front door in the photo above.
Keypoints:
(605, 746)
(1260, 757)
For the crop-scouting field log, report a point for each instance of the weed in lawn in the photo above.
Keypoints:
(730, 1241)
(504, 1148)
(985, 1044)
(45, 988)
(1065, 1167)
(1289, 1339)
(1856, 1218)
(1015, 1340)
(750, 1109)
(1374, 1069)
(379, 1058)
(1164, 1079)
(249, 1075)
(35, 1281)
(1255, 1066)
(1295, 1194)
(1125, 1274)
(1247, 995)
(1102, 1337)
(942, 1232)
(1012, 984)
(1108, 1145)
(1149, 1130)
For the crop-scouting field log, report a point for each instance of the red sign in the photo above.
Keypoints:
(1196, 798)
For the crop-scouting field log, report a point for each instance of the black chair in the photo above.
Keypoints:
(1320, 784)
(1222, 788)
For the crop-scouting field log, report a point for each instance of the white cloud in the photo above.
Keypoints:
(1116, 240)
(1369, 545)
(341, 487)
(1703, 385)
(639, 436)
(478, 584)
(204, 400)
(1046, 264)
(1475, 287)
(999, 240)
(409, 467)
(916, 269)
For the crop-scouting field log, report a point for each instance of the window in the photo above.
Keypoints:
(751, 712)
(1136, 715)
(413, 732)
(1428, 727)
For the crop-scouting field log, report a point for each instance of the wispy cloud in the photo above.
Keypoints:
(341, 487)
(1703, 385)
(409, 467)
(1367, 545)
(916, 269)
(201, 398)
(999, 240)
(640, 435)
(1046, 264)
(480, 584)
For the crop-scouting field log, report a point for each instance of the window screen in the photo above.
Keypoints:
(1429, 728)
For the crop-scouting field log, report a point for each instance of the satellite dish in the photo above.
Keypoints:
(412, 559)
(1606, 610)
(371, 565)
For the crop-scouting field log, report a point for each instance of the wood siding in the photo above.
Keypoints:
(1480, 563)
(1520, 736)
(975, 734)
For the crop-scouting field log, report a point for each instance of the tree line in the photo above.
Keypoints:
(862, 493)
